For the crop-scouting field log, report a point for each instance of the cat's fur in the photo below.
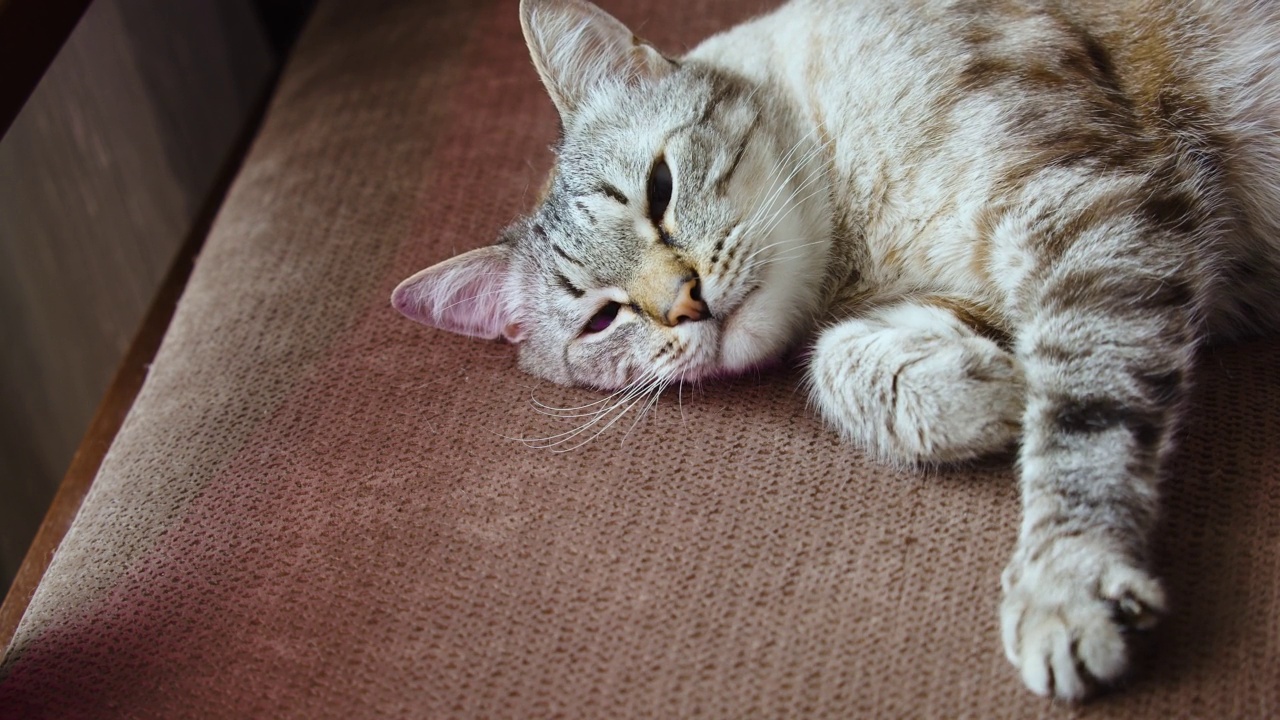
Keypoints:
(990, 221)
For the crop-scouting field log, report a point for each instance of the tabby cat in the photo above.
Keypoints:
(988, 222)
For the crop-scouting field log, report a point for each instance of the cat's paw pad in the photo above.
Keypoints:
(1068, 623)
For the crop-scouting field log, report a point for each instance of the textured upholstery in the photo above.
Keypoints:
(316, 508)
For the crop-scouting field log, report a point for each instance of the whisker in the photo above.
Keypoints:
(633, 390)
(680, 399)
(598, 432)
(653, 401)
(789, 254)
(791, 204)
(800, 165)
(545, 409)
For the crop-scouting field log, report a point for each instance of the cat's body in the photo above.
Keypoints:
(944, 121)
(986, 220)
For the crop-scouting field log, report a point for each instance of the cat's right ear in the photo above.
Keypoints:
(465, 294)
(577, 46)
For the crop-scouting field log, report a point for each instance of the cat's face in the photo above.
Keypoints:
(682, 235)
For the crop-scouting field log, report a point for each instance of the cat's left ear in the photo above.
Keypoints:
(465, 294)
(576, 46)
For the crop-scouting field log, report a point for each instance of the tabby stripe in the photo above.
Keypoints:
(569, 287)
(1162, 388)
(560, 251)
(721, 92)
(1087, 416)
(723, 182)
(612, 192)
(1174, 210)
(1058, 353)
(1103, 290)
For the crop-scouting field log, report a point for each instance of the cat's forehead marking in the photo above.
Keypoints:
(581, 205)
(608, 190)
(722, 182)
(567, 285)
(555, 247)
(574, 245)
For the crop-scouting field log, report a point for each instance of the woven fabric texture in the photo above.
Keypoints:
(316, 508)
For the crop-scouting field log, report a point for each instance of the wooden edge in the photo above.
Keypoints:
(93, 446)
(124, 388)
(31, 33)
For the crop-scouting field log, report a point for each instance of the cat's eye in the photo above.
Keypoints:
(603, 318)
(660, 186)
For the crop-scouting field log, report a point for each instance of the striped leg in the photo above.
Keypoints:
(1106, 355)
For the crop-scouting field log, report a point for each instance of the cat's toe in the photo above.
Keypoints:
(1069, 630)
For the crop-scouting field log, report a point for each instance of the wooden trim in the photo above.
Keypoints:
(123, 390)
(31, 33)
(93, 446)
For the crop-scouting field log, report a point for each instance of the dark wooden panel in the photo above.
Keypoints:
(31, 33)
(282, 20)
(102, 430)
(124, 388)
(102, 175)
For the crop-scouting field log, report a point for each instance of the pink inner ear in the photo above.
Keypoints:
(465, 295)
(513, 332)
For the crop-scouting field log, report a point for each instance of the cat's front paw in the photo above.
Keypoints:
(1069, 616)
(956, 399)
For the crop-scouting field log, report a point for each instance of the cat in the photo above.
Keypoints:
(991, 223)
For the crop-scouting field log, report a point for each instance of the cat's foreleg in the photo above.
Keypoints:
(1106, 353)
(914, 383)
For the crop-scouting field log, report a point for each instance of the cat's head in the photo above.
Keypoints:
(684, 229)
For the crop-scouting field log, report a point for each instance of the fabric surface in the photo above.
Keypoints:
(316, 508)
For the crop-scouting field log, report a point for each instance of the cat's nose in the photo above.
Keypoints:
(688, 305)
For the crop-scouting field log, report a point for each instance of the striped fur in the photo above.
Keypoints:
(994, 222)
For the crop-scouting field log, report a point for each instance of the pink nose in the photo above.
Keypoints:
(688, 305)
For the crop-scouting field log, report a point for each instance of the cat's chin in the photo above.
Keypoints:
(753, 336)
(744, 351)
(764, 364)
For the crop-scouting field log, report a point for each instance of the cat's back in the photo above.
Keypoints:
(898, 67)
(932, 110)
(1221, 54)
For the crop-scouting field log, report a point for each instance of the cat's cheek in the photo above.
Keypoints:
(750, 338)
(739, 354)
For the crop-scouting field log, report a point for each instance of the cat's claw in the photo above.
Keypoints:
(1068, 620)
